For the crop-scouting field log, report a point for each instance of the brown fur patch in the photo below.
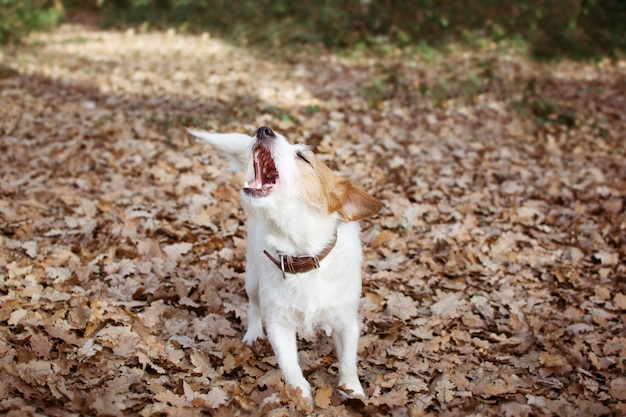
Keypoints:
(323, 189)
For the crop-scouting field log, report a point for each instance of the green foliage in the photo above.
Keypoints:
(552, 28)
(545, 110)
(19, 17)
(547, 28)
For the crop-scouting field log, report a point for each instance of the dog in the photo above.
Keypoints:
(303, 260)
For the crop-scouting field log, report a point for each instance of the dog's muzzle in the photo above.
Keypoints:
(265, 132)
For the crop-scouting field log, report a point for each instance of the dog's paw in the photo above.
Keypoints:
(351, 390)
(252, 335)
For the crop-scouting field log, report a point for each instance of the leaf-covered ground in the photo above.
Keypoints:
(494, 278)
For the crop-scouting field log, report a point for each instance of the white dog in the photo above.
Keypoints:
(304, 251)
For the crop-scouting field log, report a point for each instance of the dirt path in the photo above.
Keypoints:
(495, 278)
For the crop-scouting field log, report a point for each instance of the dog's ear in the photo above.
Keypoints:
(236, 146)
(353, 203)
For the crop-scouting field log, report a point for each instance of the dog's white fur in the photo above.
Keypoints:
(300, 216)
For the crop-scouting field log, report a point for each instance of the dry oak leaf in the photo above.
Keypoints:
(272, 401)
(202, 364)
(211, 326)
(171, 398)
(214, 398)
(176, 250)
(323, 397)
(401, 306)
(602, 292)
(17, 316)
(616, 345)
(149, 248)
(618, 388)
(394, 398)
(514, 409)
(37, 372)
(495, 388)
(620, 301)
(30, 248)
(414, 384)
(551, 360)
(294, 394)
(448, 305)
(606, 258)
(382, 239)
(41, 345)
(225, 193)
(445, 390)
(573, 254)
(271, 378)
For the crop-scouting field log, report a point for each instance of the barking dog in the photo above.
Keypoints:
(304, 252)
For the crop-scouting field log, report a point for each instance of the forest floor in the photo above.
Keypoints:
(494, 278)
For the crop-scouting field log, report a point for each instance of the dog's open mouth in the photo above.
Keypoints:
(265, 174)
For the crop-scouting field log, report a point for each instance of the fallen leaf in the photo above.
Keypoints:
(323, 397)
(216, 398)
(445, 390)
(606, 258)
(176, 250)
(618, 388)
(620, 301)
(401, 306)
(449, 305)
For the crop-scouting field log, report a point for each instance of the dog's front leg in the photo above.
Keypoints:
(283, 339)
(255, 323)
(346, 337)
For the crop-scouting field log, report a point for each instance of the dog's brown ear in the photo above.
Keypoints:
(353, 203)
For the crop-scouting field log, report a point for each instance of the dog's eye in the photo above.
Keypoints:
(303, 158)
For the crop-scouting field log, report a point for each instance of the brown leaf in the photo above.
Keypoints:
(445, 390)
(618, 389)
(401, 306)
(382, 239)
(176, 250)
(40, 345)
(225, 193)
(606, 258)
(620, 301)
(323, 396)
(216, 398)
(449, 305)
(294, 394)
(172, 399)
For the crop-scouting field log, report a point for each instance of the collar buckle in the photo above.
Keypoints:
(300, 264)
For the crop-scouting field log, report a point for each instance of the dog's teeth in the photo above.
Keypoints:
(246, 185)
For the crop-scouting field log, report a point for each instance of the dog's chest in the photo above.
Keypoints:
(310, 300)
(309, 291)
(304, 303)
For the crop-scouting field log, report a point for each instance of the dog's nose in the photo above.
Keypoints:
(264, 132)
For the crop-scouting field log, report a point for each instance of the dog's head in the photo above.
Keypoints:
(282, 172)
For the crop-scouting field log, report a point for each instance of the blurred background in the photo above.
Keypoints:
(547, 29)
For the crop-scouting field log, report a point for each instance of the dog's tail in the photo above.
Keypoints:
(237, 146)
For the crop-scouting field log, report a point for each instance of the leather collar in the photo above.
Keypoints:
(301, 264)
